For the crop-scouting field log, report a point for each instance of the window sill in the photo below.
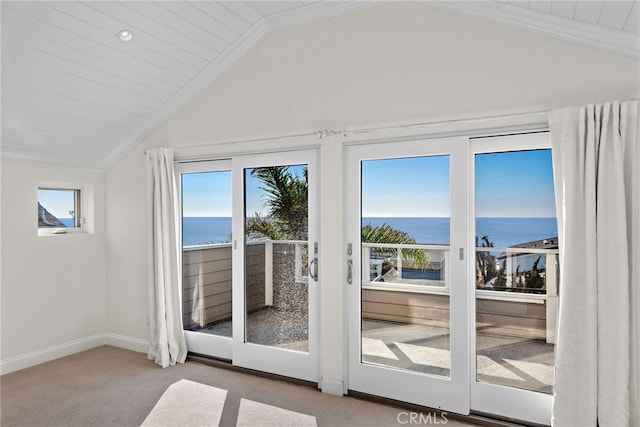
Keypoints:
(60, 231)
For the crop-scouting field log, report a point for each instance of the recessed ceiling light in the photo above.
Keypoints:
(125, 35)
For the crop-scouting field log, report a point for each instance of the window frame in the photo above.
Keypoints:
(487, 397)
(82, 209)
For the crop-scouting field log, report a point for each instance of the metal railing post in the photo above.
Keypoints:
(268, 273)
(366, 264)
(551, 279)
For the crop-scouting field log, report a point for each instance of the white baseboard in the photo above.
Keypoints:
(66, 349)
(333, 387)
(50, 353)
(128, 343)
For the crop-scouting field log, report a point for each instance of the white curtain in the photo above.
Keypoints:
(167, 344)
(596, 159)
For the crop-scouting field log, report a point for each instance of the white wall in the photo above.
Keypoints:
(53, 287)
(390, 64)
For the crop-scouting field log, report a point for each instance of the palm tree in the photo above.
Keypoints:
(485, 263)
(386, 234)
(287, 205)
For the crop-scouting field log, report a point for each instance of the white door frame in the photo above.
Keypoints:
(198, 342)
(290, 363)
(488, 398)
(446, 393)
(463, 394)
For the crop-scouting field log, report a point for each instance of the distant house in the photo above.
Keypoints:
(550, 243)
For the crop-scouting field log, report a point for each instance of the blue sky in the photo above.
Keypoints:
(513, 184)
(57, 202)
(407, 187)
(209, 193)
(206, 194)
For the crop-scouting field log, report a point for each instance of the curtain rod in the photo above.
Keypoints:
(329, 133)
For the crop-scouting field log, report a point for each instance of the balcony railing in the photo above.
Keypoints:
(396, 288)
(271, 268)
(506, 307)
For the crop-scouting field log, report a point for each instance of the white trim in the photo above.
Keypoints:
(280, 361)
(599, 37)
(58, 351)
(405, 287)
(333, 387)
(54, 352)
(128, 343)
(66, 162)
(314, 11)
(443, 392)
(47, 354)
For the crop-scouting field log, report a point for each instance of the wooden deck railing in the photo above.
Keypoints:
(207, 279)
(207, 289)
(404, 298)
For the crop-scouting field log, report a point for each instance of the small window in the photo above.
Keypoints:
(59, 209)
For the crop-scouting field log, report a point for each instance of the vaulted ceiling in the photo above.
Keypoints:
(74, 94)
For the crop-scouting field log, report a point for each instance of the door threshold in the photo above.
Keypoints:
(475, 418)
(227, 364)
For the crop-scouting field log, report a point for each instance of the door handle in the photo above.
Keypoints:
(349, 264)
(313, 265)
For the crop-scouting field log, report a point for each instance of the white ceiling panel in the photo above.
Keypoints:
(566, 9)
(242, 10)
(588, 11)
(633, 22)
(542, 5)
(222, 14)
(268, 8)
(208, 26)
(168, 59)
(615, 14)
(73, 94)
(165, 36)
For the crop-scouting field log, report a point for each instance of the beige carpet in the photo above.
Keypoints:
(187, 403)
(112, 387)
(253, 414)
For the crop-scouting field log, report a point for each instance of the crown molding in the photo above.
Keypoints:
(614, 41)
(314, 11)
(62, 162)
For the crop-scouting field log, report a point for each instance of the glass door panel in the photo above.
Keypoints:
(276, 256)
(206, 206)
(405, 316)
(273, 285)
(516, 276)
(407, 299)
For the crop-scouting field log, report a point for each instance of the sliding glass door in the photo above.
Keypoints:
(408, 316)
(206, 206)
(452, 294)
(275, 264)
(250, 261)
(516, 276)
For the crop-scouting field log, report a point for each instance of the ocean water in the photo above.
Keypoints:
(503, 232)
(69, 222)
(205, 230)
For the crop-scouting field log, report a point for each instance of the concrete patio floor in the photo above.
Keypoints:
(503, 360)
(510, 361)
